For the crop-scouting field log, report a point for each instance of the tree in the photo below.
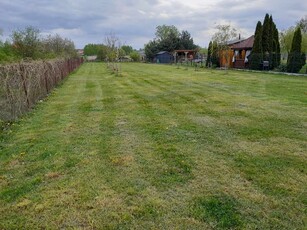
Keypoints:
(266, 37)
(135, 56)
(256, 54)
(56, 46)
(186, 41)
(275, 46)
(26, 42)
(113, 45)
(224, 34)
(215, 54)
(170, 43)
(296, 58)
(163, 32)
(303, 24)
(102, 52)
(114, 51)
(127, 49)
(286, 38)
(208, 61)
(91, 49)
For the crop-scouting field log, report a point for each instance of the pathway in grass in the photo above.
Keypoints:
(161, 148)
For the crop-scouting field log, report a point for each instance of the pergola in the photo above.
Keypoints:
(184, 55)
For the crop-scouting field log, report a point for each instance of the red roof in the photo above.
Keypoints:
(245, 44)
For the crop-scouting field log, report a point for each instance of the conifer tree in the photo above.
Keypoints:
(214, 54)
(208, 61)
(270, 42)
(296, 59)
(266, 30)
(275, 47)
(256, 55)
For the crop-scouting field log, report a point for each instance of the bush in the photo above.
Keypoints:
(282, 67)
(255, 61)
(296, 61)
(303, 69)
(135, 56)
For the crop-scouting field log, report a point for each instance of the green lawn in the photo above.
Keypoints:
(159, 148)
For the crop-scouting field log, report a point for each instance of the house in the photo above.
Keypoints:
(241, 53)
(163, 57)
(80, 52)
(238, 54)
(142, 55)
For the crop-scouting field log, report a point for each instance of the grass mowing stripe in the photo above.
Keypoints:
(161, 148)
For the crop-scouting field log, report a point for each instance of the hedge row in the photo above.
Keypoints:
(23, 84)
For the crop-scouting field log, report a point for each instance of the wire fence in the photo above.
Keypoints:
(23, 84)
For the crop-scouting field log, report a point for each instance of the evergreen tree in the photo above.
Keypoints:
(266, 30)
(214, 55)
(276, 47)
(186, 41)
(256, 55)
(208, 61)
(295, 58)
(270, 42)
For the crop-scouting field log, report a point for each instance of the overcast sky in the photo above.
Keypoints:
(135, 21)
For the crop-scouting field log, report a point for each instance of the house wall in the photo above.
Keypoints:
(239, 59)
(226, 58)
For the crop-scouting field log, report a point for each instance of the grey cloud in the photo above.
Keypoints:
(135, 20)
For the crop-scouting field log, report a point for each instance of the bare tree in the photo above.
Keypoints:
(113, 45)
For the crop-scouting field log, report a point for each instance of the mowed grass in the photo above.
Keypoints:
(159, 148)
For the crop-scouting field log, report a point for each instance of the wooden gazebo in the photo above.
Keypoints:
(184, 55)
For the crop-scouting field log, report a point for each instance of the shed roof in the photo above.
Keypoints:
(245, 44)
(162, 52)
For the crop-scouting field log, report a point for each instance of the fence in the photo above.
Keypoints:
(23, 84)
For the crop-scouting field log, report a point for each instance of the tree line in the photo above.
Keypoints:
(30, 44)
(104, 52)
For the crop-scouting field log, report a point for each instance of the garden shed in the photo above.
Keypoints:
(163, 57)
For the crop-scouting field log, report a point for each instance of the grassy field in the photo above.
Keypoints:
(159, 148)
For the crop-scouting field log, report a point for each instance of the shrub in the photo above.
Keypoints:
(282, 67)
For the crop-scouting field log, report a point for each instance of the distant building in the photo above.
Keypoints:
(80, 52)
(163, 57)
(142, 55)
(91, 58)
